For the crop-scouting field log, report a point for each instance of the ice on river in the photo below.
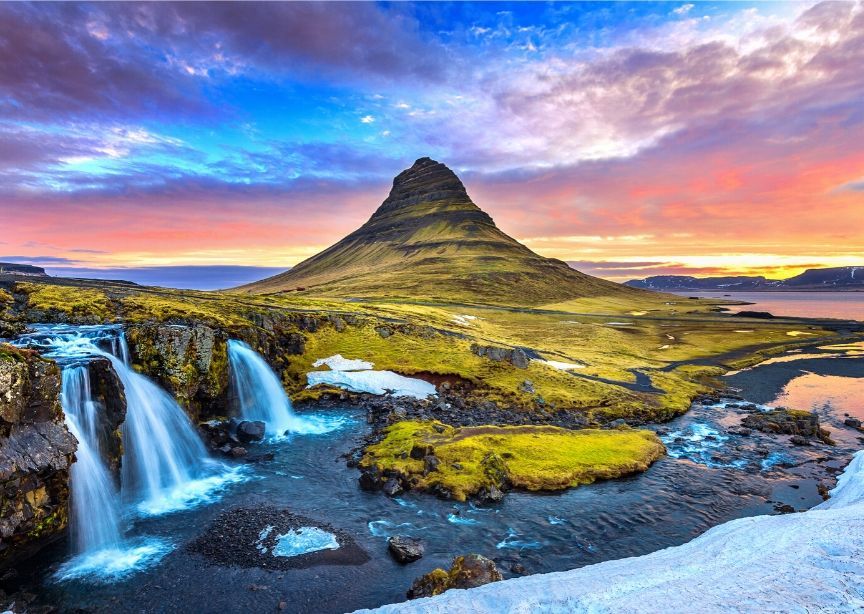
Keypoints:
(810, 561)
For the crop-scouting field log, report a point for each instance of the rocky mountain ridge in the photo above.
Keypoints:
(835, 278)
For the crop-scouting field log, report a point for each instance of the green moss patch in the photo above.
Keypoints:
(473, 459)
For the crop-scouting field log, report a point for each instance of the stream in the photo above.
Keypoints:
(709, 477)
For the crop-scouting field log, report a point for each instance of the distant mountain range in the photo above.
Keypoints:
(836, 278)
(428, 240)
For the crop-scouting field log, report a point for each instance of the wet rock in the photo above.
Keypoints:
(518, 568)
(405, 549)
(259, 458)
(788, 422)
(855, 423)
(36, 452)
(469, 571)
(783, 508)
(392, 487)
(798, 440)
(238, 452)
(369, 480)
(490, 494)
(249, 431)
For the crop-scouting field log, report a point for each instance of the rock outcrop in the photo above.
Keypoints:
(107, 392)
(36, 451)
(469, 571)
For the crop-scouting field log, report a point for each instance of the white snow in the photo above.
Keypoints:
(807, 562)
(338, 363)
(562, 366)
(464, 320)
(373, 382)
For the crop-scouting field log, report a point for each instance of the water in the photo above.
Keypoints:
(95, 520)
(261, 396)
(841, 305)
(165, 466)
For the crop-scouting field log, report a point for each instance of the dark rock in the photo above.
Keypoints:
(518, 568)
(798, 440)
(405, 549)
(421, 451)
(369, 480)
(249, 431)
(238, 452)
(392, 487)
(788, 422)
(469, 571)
(519, 359)
(527, 386)
(430, 463)
(259, 458)
(855, 423)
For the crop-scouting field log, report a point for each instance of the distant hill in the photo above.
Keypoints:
(836, 278)
(10, 268)
(428, 240)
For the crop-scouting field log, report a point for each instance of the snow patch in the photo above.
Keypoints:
(338, 363)
(373, 382)
(809, 561)
(464, 320)
(303, 541)
(561, 366)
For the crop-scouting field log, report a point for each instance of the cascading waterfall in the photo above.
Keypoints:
(162, 453)
(165, 466)
(95, 522)
(262, 397)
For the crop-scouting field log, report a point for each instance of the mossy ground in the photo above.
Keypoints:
(524, 457)
(675, 344)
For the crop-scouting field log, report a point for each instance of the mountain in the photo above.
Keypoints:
(428, 240)
(835, 278)
(10, 268)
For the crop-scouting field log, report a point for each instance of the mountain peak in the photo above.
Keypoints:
(429, 240)
(426, 181)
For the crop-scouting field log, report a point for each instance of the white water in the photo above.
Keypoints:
(262, 397)
(95, 521)
(165, 466)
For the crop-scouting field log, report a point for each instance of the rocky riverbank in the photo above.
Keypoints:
(36, 452)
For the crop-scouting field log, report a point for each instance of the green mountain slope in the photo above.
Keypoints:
(428, 240)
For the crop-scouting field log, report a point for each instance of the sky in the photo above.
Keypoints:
(628, 139)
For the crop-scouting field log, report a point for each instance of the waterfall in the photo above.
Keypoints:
(262, 397)
(162, 453)
(95, 523)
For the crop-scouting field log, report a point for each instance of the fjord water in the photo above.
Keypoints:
(840, 305)
(261, 397)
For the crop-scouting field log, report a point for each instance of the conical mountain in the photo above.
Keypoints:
(428, 240)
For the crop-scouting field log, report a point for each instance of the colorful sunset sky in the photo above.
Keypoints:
(627, 139)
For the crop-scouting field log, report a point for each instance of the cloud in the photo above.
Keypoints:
(37, 260)
(683, 9)
(367, 119)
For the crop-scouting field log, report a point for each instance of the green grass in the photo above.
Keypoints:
(68, 300)
(525, 457)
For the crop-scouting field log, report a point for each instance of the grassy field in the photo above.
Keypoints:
(605, 357)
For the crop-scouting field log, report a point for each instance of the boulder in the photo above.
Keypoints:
(855, 423)
(392, 487)
(405, 549)
(788, 422)
(469, 571)
(249, 431)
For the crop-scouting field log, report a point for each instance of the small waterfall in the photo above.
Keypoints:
(95, 523)
(259, 391)
(262, 397)
(162, 452)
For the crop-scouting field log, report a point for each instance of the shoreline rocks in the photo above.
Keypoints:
(469, 571)
(405, 549)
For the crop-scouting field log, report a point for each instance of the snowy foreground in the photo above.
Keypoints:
(807, 562)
